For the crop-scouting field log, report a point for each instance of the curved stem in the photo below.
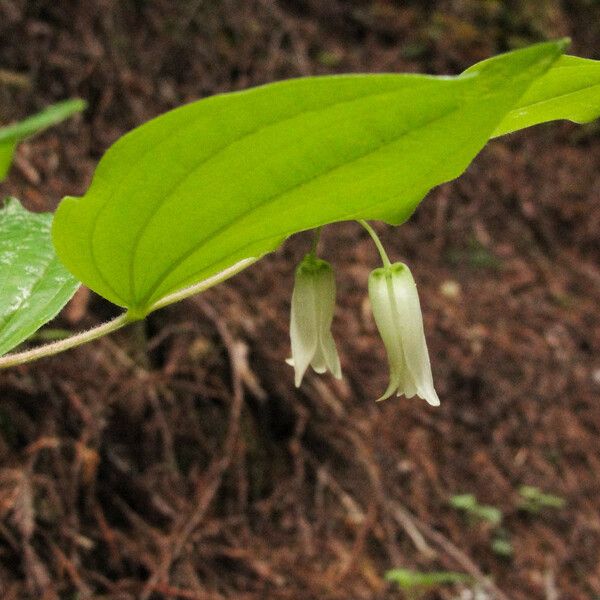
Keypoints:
(19, 358)
(380, 248)
(202, 286)
(315, 242)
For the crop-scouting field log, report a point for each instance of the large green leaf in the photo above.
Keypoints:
(34, 285)
(229, 177)
(12, 134)
(569, 90)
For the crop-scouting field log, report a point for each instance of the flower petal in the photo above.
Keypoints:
(330, 355)
(326, 356)
(414, 344)
(380, 294)
(303, 325)
(313, 303)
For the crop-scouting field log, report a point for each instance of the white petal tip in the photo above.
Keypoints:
(433, 401)
(429, 395)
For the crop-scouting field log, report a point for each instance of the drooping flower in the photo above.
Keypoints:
(397, 312)
(313, 302)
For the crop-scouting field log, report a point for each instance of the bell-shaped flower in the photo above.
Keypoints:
(397, 312)
(313, 301)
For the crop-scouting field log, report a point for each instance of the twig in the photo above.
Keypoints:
(550, 585)
(459, 557)
(407, 521)
(14, 79)
(172, 592)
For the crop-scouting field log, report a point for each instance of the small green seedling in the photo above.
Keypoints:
(415, 583)
(467, 503)
(11, 135)
(482, 512)
(501, 544)
(535, 501)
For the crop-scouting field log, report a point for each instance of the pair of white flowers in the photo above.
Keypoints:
(397, 312)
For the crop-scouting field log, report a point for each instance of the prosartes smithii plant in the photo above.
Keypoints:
(200, 193)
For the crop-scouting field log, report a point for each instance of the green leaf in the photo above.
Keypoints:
(469, 504)
(51, 115)
(408, 579)
(502, 546)
(34, 284)
(463, 501)
(7, 149)
(535, 501)
(196, 190)
(569, 90)
(11, 135)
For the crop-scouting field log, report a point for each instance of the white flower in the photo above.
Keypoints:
(397, 312)
(313, 301)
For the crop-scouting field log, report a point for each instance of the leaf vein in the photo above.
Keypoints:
(180, 181)
(176, 264)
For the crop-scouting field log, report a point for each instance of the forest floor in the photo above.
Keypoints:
(176, 459)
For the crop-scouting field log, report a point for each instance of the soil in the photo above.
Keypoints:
(176, 459)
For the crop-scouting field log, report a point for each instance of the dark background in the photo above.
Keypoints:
(175, 459)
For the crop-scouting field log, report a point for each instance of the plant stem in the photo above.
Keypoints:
(202, 286)
(18, 358)
(380, 248)
(315, 242)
